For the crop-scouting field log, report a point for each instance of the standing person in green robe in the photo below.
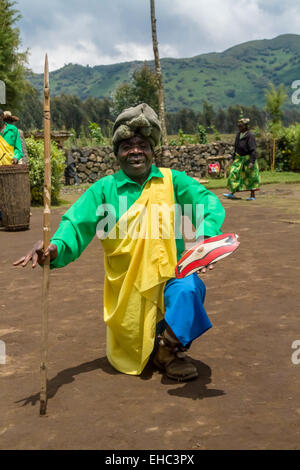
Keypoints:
(244, 173)
(149, 314)
(10, 143)
(10, 119)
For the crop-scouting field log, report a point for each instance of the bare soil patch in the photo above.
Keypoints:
(247, 393)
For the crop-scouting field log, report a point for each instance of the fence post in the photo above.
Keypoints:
(274, 152)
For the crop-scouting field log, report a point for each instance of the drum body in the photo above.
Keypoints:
(15, 197)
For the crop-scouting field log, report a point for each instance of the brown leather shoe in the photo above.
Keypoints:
(171, 359)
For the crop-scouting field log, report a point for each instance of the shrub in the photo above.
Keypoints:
(35, 150)
(96, 133)
(201, 134)
(288, 147)
(216, 133)
(184, 139)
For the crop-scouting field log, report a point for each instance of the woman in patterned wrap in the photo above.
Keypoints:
(244, 173)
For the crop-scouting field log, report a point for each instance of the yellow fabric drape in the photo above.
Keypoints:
(137, 269)
(6, 152)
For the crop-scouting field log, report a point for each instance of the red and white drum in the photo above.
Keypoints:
(207, 252)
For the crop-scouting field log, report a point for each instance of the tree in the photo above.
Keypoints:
(208, 114)
(142, 89)
(145, 86)
(99, 111)
(159, 76)
(221, 120)
(233, 115)
(123, 98)
(31, 114)
(275, 98)
(67, 111)
(12, 62)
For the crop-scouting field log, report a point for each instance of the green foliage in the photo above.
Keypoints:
(96, 133)
(123, 98)
(12, 70)
(35, 151)
(275, 99)
(201, 134)
(141, 89)
(31, 113)
(215, 132)
(91, 138)
(267, 177)
(208, 114)
(288, 154)
(185, 139)
(69, 112)
(222, 120)
(257, 131)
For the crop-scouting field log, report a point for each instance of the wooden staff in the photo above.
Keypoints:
(46, 239)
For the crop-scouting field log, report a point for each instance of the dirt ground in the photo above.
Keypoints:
(247, 394)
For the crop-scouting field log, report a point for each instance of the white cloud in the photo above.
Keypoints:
(104, 32)
(224, 23)
(85, 52)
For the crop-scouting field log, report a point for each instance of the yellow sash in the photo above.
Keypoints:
(137, 269)
(6, 152)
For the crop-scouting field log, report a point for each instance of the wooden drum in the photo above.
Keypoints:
(15, 197)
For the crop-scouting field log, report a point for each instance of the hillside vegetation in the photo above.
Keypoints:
(239, 75)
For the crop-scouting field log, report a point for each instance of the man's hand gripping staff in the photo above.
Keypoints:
(37, 255)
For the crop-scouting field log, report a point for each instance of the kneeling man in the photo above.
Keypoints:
(148, 312)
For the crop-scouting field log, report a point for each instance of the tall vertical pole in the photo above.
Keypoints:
(161, 100)
(46, 240)
(274, 154)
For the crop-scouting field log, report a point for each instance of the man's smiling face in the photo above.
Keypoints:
(135, 158)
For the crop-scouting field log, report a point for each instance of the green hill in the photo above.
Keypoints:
(239, 75)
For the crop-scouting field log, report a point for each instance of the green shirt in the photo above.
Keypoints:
(78, 226)
(12, 137)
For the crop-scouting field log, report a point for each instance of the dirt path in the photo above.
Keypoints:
(247, 393)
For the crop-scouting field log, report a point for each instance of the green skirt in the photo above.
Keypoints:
(241, 177)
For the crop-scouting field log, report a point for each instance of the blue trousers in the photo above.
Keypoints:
(184, 310)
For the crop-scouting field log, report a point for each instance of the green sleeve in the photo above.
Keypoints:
(18, 152)
(188, 192)
(77, 227)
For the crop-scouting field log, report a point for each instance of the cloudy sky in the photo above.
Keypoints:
(99, 32)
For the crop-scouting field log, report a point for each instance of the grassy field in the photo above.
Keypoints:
(267, 177)
(69, 194)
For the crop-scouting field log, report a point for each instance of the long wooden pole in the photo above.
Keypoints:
(161, 100)
(46, 240)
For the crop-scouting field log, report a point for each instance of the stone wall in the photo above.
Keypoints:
(194, 159)
(94, 163)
